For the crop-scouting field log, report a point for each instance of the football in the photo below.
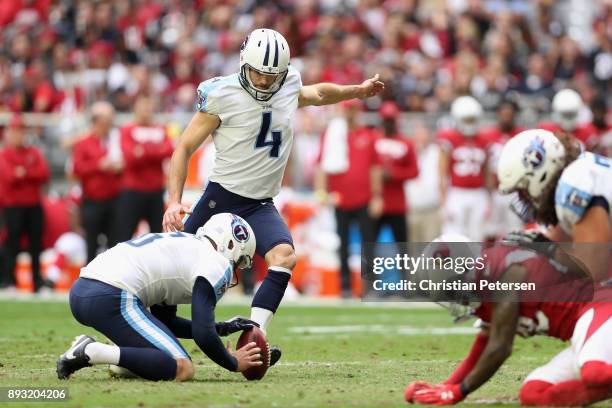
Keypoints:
(255, 335)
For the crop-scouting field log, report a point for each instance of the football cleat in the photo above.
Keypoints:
(74, 358)
(275, 355)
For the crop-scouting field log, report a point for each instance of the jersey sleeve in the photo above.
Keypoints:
(208, 96)
(218, 272)
(573, 194)
(293, 80)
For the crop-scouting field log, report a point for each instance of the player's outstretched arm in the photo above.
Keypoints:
(504, 320)
(205, 333)
(201, 125)
(327, 93)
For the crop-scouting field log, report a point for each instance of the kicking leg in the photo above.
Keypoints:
(281, 260)
(274, 243)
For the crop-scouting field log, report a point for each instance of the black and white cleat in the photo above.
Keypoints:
(74, 358)
(275, 355)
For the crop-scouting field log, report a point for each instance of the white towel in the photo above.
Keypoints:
(335, 157)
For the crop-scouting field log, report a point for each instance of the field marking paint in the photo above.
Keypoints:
(377, 328)
(241, 300)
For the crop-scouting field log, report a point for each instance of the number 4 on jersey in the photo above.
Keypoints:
(263, 135)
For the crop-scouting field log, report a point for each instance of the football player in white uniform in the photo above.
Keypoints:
(160, 271)
(249, 115)
(564, 188)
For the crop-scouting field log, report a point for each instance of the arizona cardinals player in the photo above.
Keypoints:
(463, 164)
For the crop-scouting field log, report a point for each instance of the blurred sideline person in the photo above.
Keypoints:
(423, 200)
(502, 219)
(563, 188)
(160, 271)
(567, 106)
(145, 146)
(398, 162)
(250, 114)
(463, 166)
(100, 177)
(23, 173)
(601, 127)
(350, 178)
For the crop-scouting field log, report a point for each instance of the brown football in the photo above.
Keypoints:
(255, 335)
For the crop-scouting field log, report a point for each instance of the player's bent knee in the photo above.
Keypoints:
(184, 369)
(596, 374)
(282, 255)
(533, 393)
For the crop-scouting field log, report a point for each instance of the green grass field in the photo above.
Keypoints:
(334, 356)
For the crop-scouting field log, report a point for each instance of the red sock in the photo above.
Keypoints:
(596, 373)
(563, 394)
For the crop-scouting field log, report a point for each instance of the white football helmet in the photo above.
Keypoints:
(528, 163)
(233, 237)
(466, 112)
(266, 52)
(566, 105)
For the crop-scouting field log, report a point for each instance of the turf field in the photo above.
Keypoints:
(334, 356)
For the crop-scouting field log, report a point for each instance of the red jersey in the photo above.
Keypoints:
(585, 133)
(495, 134)
(467, 157)
(97, 184)
(57, 220)
(497, 139)
(398, 159)
(23, 190)
(555, 319)
(144, 150)
(353, 186)
(594, 142)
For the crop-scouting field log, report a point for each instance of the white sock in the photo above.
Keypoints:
(99, 353)
(280, 269)
(261, 316)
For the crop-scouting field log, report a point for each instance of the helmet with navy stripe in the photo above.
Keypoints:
(529, 163)
(266, 52)
(233, 238)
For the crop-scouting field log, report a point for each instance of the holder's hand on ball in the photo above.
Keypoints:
(248, 356)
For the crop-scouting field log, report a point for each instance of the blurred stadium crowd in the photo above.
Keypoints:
(62, 55)
(100, 71)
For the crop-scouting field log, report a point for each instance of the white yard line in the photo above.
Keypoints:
(241, 300)
(376, 328)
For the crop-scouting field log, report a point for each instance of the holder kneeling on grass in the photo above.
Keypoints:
(159, 271)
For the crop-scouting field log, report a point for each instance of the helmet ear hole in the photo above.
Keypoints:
(230, 245)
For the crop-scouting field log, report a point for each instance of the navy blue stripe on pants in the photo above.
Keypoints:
(121, 317)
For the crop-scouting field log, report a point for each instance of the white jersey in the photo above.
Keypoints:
(254, 139)
(161, 268)
(587, 177)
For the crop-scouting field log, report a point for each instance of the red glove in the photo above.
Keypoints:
(413, 387)
(440, 394)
